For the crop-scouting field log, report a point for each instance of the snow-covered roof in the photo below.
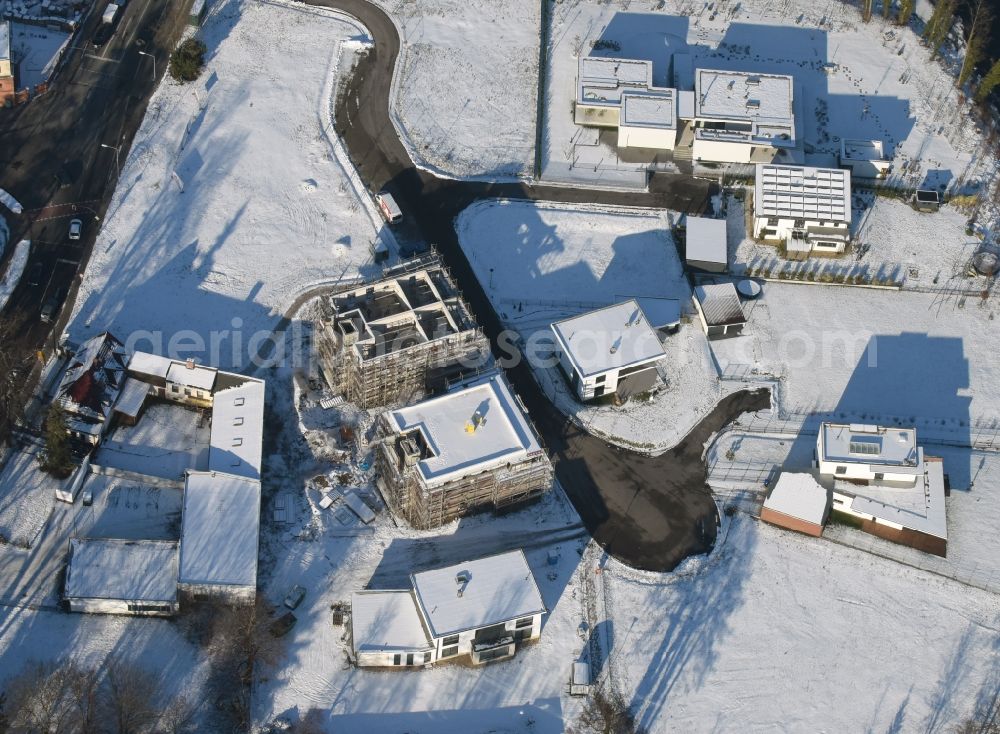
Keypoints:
(706, 240)
(238, 430)
(861, 150)
(149, 364)
(602, 80)
(766, 101)
(477, 593)
(132, 397)
(94, 377)
(128, 570)
(720, 304)
(920, 507)
(661, 313)
(856, 443)
(387, 621)
(505, 436)
(609, 338)
(193, 375)
(802, 192)
(4, 40)
(219, 529)
(649, 108)
(799, 496)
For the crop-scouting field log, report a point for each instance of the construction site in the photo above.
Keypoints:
(470, 449)
(399, 339)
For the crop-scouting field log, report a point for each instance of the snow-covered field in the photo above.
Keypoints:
(465, 94)
(266, 210)
(26, 498)
(883, 85)
(545, 262)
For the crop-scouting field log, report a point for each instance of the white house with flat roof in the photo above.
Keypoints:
(806, 208)
(612, 350)
(648, 119)
(111, 576)
(742, 117)
(864, 158)
(469, 449)
(220, 525)
(882, 480)
(483, 608)
(237, 434)
(705, 244)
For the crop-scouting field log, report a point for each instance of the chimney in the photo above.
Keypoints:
(190, 363)
(462, 579)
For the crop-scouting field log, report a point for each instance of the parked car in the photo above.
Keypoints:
(295, 596)
(75, 228)
(281, 626)
(388, 207)
(51, 307)
(35, 274)
(103, 35)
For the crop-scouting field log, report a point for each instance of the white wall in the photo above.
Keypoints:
(465, 639)
(722, 152)
(118, 606)
(783, 231)
(227, 594)
(646, 137)
(383, 659)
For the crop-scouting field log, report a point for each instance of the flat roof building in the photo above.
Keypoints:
(797, 502)
(885, 483)
(609, 351)
(807, 208)
(238, 430)
(720, 310)
(864, 158)
(220, 525)
(482, 608)
(110, 576)
(705, 244)
(470, 448)
(742, 117)
(648, 119)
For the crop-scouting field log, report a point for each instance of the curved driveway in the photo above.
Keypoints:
(648, 512)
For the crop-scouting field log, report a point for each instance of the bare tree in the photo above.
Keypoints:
(40, 699)
(607, 714)
(178, 718)
(242, 637)
(129, 703)
(980, 23)
(85, 688)
(13, 374)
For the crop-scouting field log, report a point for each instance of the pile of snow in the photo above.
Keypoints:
(266, 209)
(465, 93)
(10, 202)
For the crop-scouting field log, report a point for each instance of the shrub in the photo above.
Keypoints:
(186, 61)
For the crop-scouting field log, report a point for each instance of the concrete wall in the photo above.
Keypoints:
(646, 137)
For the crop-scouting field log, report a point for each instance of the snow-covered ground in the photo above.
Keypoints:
(15, 269)
(466, 80)
(27, 495)
(167, 441)
(36, 49)
(545, 262)
(266, 209)
(883, 85)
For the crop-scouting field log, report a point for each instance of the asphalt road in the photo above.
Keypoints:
(649, 512)
(52, 159)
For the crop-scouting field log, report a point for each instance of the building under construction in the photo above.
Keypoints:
(470, 449)
(399, 338)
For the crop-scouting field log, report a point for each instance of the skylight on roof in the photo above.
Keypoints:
(866, 446)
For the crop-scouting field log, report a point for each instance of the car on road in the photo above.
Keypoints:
(35, 274)
(75, 228)
(281, 626)
(51, 307)
(103, 35)
(295, 596)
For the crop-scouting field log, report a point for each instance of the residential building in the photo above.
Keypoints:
(807, 209)
(400, 338)
(6, 66)
(705, 244)
(90, 386)
(483, 608)
(720, 310)
(648, 119)
(742, 117)
(610, 351)
(883, 482)
(864, 158)
(184, 382)
(137, 577)
(797, 502)
(220, 525)
(470, 449)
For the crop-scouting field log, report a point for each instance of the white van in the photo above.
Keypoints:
(389, 208)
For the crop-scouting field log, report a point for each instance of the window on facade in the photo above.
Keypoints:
(239, 401)
(174, 388)
(522, 634)
(799, 223)
(409, 658)
(879, 477)
(237, 442)
(526, 622)
(187, 391)
(599, 379)
(493, 654)
(238, 421)
(397, 659)
(449, 652)
(772, 221)
(598, 391)
(841, 470)
(149, 607)
(427, 658)
(451, 640)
